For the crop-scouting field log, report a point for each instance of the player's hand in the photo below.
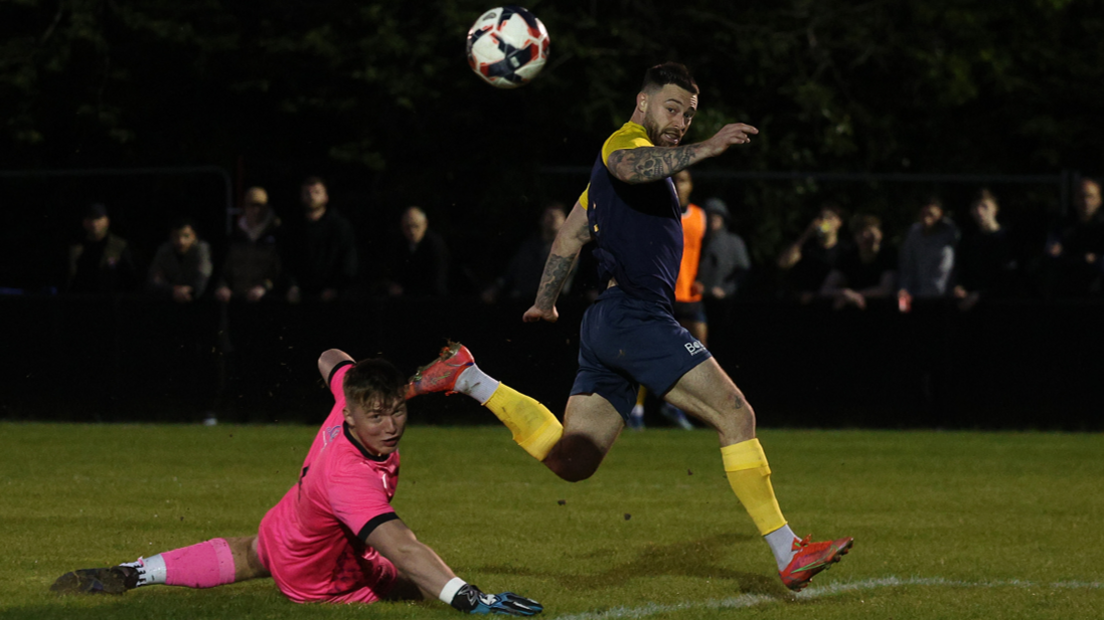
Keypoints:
(734, 133)
(470, 599)
(534, 314)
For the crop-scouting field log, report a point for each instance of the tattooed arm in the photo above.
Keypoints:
(647, 164)
(571, 238)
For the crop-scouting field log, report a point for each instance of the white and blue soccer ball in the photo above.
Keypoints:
(507, 46)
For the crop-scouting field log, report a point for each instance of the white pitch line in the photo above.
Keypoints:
(813, 592)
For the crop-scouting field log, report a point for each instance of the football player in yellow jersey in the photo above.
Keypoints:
(629, 336)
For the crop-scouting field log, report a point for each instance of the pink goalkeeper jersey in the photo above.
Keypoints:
(312, 541)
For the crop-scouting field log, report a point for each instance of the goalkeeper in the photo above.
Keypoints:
(334, 536)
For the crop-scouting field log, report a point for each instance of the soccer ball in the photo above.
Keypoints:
(507, 47)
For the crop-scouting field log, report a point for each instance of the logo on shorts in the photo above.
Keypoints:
(694, 347)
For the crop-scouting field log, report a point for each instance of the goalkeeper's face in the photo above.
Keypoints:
(378, 424)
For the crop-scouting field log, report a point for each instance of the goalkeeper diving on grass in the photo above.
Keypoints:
(629, 336)
(333, 537)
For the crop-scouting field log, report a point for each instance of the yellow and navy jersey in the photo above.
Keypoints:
(637, 227)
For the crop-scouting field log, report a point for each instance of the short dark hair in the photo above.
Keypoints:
(314, 180)
(862, 221)
(834, 208)
(182, 222)
(374, 379)
(675, 73)
(95, 211)
(984, 194)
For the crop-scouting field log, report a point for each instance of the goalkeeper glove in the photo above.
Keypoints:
(470, 599)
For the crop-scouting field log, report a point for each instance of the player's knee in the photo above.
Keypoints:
(740, 418)
(575, 457)
(734, 417)
(747, 412)
(572, 470)
(739, 405)
(575, 474)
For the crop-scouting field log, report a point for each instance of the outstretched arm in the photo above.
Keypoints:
(417, 562)
(573, 235)
(421, 566)
(646, 164)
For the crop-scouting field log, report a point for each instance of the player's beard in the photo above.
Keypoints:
(651, 128)
(655, 134)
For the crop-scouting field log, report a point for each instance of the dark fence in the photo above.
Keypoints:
(1029, 364)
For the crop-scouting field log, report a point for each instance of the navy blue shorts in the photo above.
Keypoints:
(690, 311)
(625, 342)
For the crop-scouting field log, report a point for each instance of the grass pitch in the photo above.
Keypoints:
(947, 525)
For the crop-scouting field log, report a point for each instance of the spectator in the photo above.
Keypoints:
(319, 251)
(420, 259)
(688, 288)
(182, 265)
(102, 262)
(986, 261)
(725, 262)
(1077, 243)
(249, 273)
(809, 259)
(252, 265)
(927, 256)
(868, 271)
(523, 272)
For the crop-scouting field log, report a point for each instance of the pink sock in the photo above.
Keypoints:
(205, 565)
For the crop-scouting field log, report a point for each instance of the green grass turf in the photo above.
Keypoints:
(947, 525)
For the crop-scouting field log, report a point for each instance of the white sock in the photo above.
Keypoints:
(451, 588)
(150, 570)
(477, 384)
(781, 544)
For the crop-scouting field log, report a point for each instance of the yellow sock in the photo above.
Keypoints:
(747, 470)
(534, 427)
(641, 394)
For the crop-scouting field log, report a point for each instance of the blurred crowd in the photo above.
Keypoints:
(310, 254)
(939, 258)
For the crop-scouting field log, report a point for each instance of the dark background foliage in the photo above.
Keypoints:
(378, 98)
